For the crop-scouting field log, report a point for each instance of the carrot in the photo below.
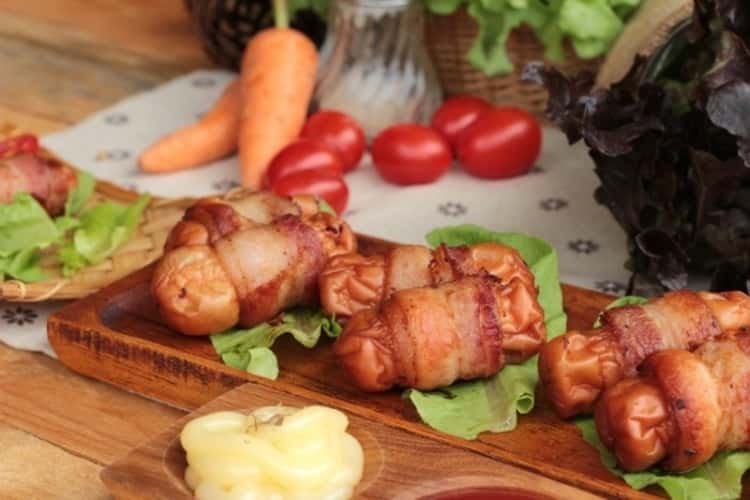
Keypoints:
(278, 78)
(212, 137)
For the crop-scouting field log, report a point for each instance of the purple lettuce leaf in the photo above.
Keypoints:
(672, 152)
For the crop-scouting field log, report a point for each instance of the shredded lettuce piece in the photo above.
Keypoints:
(24, 224)
(25, 229)
(77, 199)
(467, 409)
(249, 350)
(718, 479)
(82, 237)
(324, 207)
(100, 231)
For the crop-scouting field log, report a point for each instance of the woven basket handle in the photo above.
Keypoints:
(645, 32)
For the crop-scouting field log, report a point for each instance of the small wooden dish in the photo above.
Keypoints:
(399, 465)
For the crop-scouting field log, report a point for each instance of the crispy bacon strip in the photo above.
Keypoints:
(351, 283)
(429, 337)
(46, 180)
(682, 409)
(221, 268)
(577, 366)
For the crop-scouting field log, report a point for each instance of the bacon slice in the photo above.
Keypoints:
(682, 409)
(352, 283)
(577, 366)
(429, 337)
(221, 268)
(46, 180)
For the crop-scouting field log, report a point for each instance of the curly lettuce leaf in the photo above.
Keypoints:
(100, 231)
(718, 479)
(489, 51)
(592, 26)
(250, 350)
(467, 409)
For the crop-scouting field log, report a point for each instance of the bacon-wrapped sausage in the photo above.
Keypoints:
(430, 337)
(682, 409)
(48, 181)
(351, 283)
(221, 268)
(577, 366)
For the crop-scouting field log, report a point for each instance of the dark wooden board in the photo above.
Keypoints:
(395, 464)
(116, 336)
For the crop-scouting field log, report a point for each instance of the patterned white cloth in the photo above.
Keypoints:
(554, 201)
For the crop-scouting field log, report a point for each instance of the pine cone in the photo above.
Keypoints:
(225, 26)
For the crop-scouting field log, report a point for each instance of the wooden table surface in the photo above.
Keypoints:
(62, 60)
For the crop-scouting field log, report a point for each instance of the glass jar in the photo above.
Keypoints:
(374, 65)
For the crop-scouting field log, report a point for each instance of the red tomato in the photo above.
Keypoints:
(303, 154)
(408, 153)
(340, 132)
(24, 143)
(327, 185)
(456, 114)
(503, 142)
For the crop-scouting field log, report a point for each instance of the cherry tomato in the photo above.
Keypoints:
(408, 153)
(456, 114)
(24, 143)
(303, 154)
(503, 142)
(327, 185)
(340, 132)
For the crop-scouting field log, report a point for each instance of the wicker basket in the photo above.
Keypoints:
(143, 248)
(449, 39)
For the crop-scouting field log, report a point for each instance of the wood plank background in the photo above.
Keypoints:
(62, 60)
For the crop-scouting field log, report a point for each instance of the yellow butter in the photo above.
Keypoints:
(275, 453)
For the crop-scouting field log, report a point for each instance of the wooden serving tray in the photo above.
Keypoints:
(116, 336)
(398, 464)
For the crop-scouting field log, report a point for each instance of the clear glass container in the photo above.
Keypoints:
(374, 65)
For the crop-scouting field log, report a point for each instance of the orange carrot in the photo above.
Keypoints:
(278, 78)
(212, 137)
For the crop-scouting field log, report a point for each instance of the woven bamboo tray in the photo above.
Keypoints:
(143, 248)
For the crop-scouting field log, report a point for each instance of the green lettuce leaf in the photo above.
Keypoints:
(467, 409)
(628, 300)
(718, 479)
(22, 265)
(324, 207)
(249, 350)
(77, 199)
(24, 224)
(591, 25)
(100, 231)
(81, 194)
(25, 229)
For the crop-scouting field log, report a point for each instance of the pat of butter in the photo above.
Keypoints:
(275, 453)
